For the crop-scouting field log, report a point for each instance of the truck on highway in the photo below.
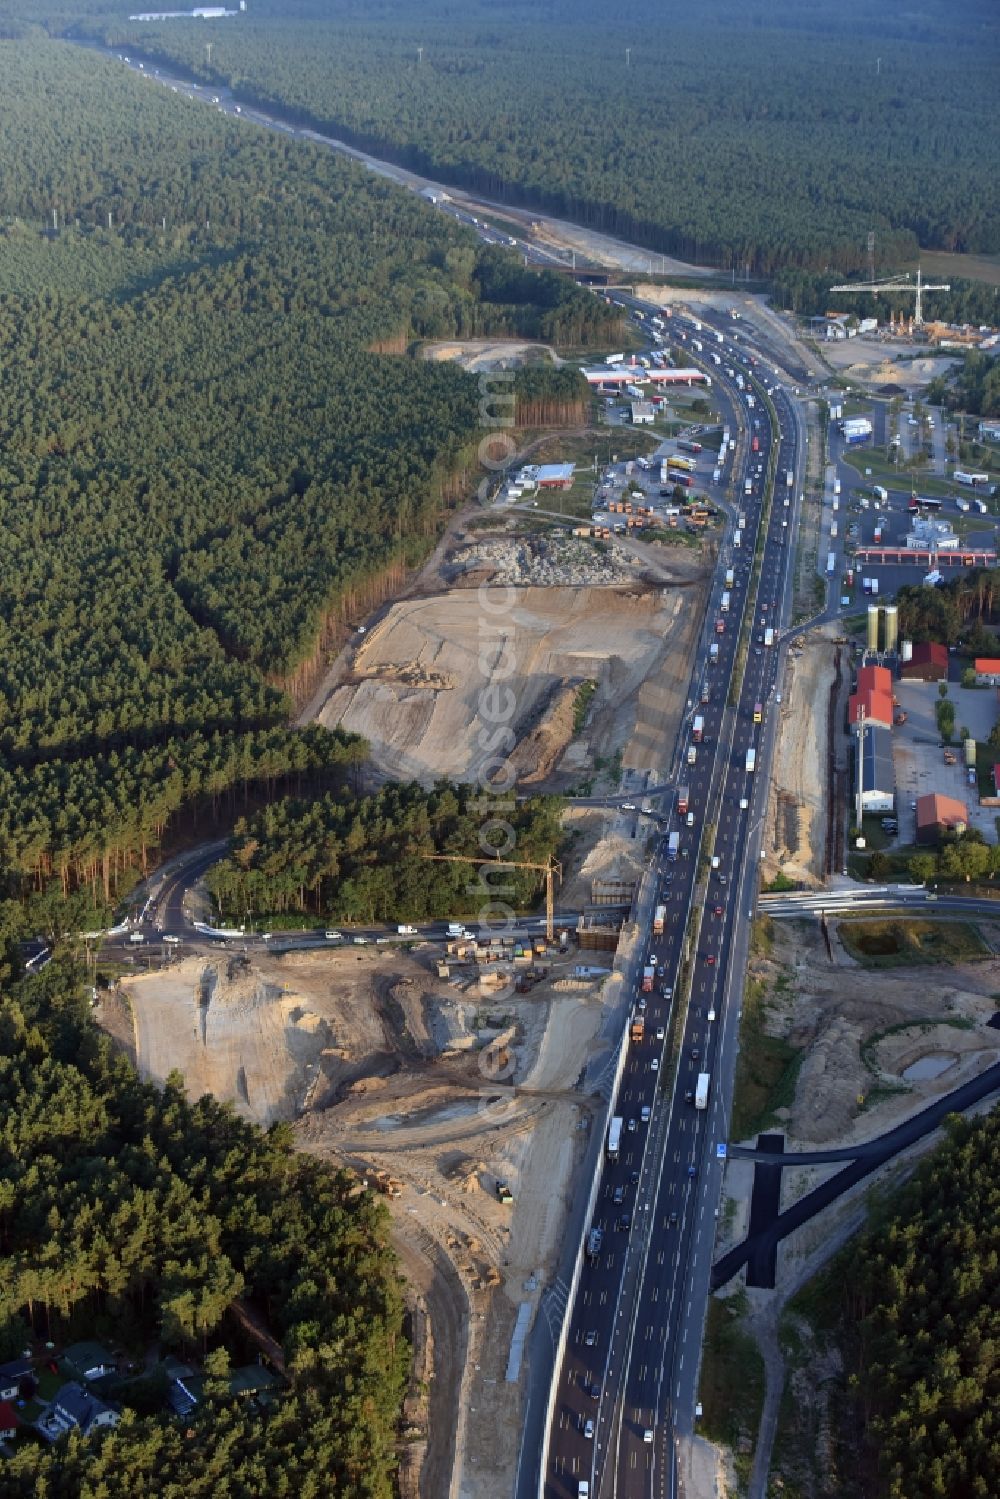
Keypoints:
(836, 486)
(713, 652)
(648, 975)
(769, 635)
(682, 800)
(758, 712)
(705, 694)
(659, 918)
(751, 760)
(614, 1137)
(748, 487)
(789, 478)
(961, 503)
(698, 728)
(673, 845)
(724, 605)
(833, 532)
(637, 1028)
(692, 755)
(831, 562)
(701, 1091)
(686, 446)
(730, 576)
(406, 931)
(755, 444)
(720, 627)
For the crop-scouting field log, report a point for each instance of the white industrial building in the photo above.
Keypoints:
(642, 413)
(931, 535)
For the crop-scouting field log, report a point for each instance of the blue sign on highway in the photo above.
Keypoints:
(720, 1151)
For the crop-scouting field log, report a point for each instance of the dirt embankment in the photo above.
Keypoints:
(798, 819)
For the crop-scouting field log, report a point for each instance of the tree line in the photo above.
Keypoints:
(364, 860)
(744, 139)
(917, 1297)
(205, 468)
(954, 612)
(131, 1214)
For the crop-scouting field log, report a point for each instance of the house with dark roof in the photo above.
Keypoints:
(75, 1407)
(89, 1360)
(878, 775)
(12, 1376)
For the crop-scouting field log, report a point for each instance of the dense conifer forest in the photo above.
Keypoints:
(133, 1215)
(738, 136)
(364, 860)
(919, 1297)
(203, 466)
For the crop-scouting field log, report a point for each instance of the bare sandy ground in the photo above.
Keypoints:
(434, 671)
(491, 353)
(796, 823)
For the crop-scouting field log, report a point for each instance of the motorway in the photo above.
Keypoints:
(627, 1382)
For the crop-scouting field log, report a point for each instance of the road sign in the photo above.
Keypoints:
(720, 1151)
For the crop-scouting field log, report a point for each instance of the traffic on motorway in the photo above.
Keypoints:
(618, 1400)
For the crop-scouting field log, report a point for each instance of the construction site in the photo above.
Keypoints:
(462, 1082)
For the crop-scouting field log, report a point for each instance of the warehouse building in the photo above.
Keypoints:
(937, 815)
(555, 475)
(642, 413)
(928, 663)
(878, 778)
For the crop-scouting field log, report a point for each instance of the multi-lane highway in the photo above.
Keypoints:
(626, 1384)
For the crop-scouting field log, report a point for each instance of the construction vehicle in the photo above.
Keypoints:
(504, 1194)
(388, 1185)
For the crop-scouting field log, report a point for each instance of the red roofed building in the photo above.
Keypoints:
(877, 707)
(928, 663)
(988, 671)
(875, 678)
(940, 814)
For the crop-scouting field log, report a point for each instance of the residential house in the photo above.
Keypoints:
(89, 1360)
(12, 1377)
(75, 1407)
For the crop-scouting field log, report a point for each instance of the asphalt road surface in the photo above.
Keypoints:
(635, 1324)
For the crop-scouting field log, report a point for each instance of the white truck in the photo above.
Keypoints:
(730, 576)
(456, 929)
(769, 635)
(751, 761)
(701, 1091)
(724, 605)
(406, 931)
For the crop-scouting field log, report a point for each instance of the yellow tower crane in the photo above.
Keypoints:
(550, 868)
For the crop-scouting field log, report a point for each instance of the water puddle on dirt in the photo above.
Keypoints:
(932, 1065)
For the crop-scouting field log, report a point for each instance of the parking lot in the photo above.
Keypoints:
(918, 756)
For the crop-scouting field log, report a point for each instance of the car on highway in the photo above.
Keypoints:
(672, 1220)
(641, 1004)
(710, 960)
(646, 1108)
(660, 1033)
(695, 1053)
(647, 1435)
(692, 1169)
(619, 1194)
(631, 1125)
(654, 1065)
(590, 1338)
(689, 1095)
(624, 1222)
(717, 911)
(633, 1178)
(588, 1429)
(334, 936)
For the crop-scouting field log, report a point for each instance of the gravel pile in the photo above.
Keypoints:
(544, 561)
